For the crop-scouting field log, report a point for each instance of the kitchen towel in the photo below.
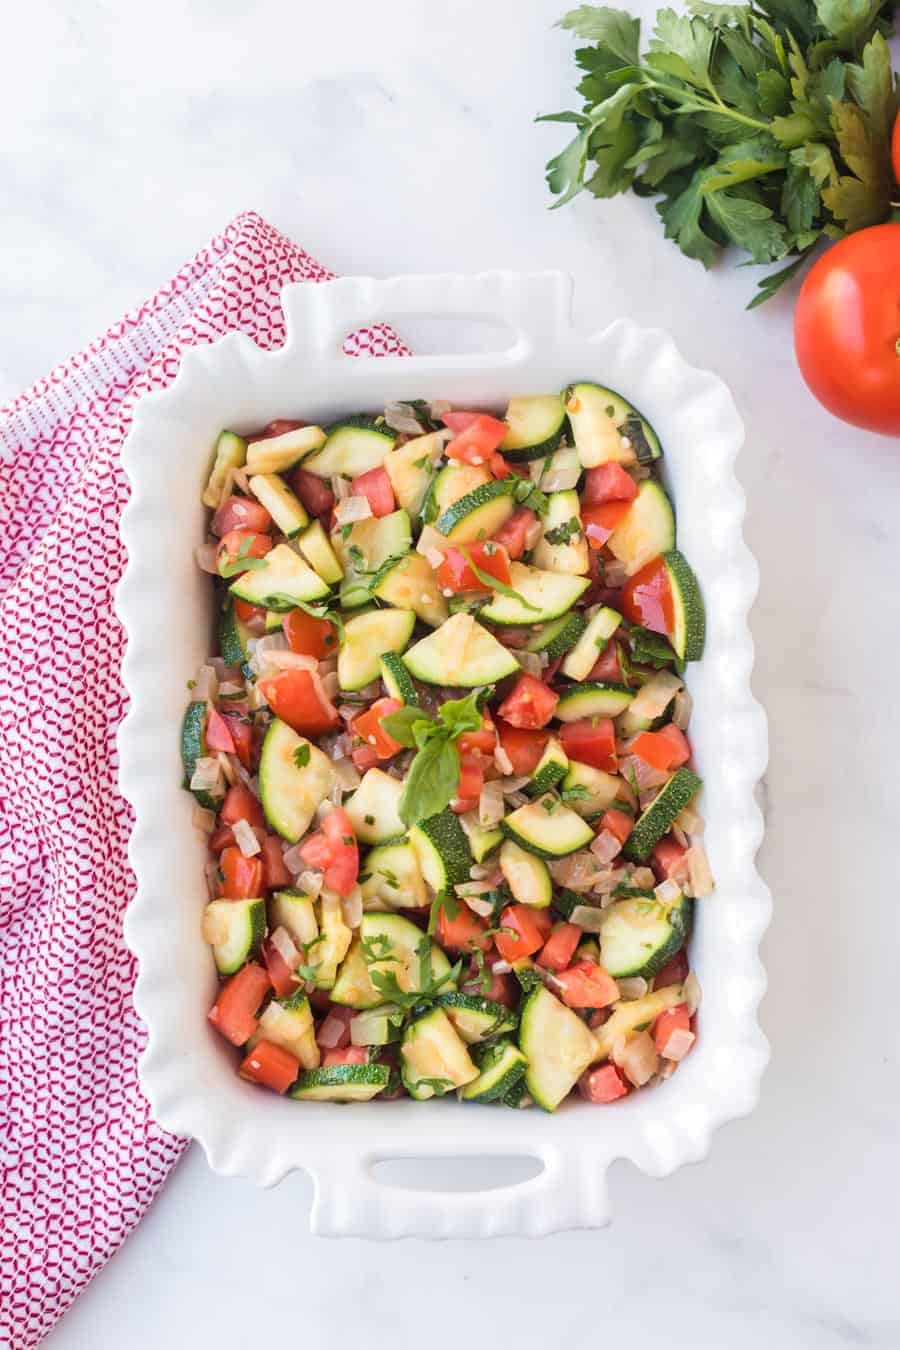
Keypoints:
(80, 1158)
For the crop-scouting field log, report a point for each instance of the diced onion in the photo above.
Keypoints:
(350, 510)
(203, 819)
(491, 806)
(228, 769)
(634, 987)
(245, 838)
(233, 690)
(690, 821)
(207, 775)
(511, 785)
(437, 407)
(700, 877)
(652, 699)
(482, 887)
(430, 541)
(347, 774)
(638, 1059)
(682, 708)
(434, 557)
(331, 1032)
(310, 881)
(517, 799)
(340, 486)
(531, 663)
(645, 775)
(679, 1043)
(207, 556)
(352, 908)
(502, 761)
(206, 685)
(605, 846)
(401, 417)
(643, 878)
(284, 945)
(667, 892)
(578, 871)
(485, 871)
(293, 859)
(588, 917)
(692, 993)
(483, 908)
(533, 533)
(501, 968)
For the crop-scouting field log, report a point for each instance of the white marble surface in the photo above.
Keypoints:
(396, 136)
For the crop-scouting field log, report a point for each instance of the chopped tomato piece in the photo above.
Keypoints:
(456, 572)
(608, 483)
(673, 972)
(314, 492)
(240, 545)
(220, 838)
(558, 950)
(275, 874)
(463, 932)
(673, 1019)
(475, 436)
(376, 487)
(281, 971)
(271, 1065)
(218, 733)
(647, 598)
(333, 848)
(668, 858)
(587, 985)
(241, 731)
(296, 696)
(364, 757)
(471, 781)
(530, 930)
(592, 740)
(618, 823)
(608, 668)
(499, 467)
(512, 533)
(601, 520)
(240, 513)
(350, 1054)
(248, 613)
(240, 804)
(242, 878)
(529, 705)
(234, 1011)
(367, 726)
(309, 636)
(664, 750)
(603, 1085)
(479, 742)
(278, 426)
(503, 988)
(522, 747)
(334, 1031)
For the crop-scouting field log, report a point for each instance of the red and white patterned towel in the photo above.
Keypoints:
(80, 1158)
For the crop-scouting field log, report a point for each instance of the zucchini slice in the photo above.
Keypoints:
(374, 808)
(233, 637)
(627, 1017)
(295, 911)
(352, 446)
(393, 945)
(475, 1018)
(410, 469)
(285, 508)
(288, 1022)
(193, 747)
(411, 583)
(558, 1047)
(647, 530)
(451, 484)
(460, 652)
(365, 548)
(536, 425)
(479, 514)
(607, 429)
(365, 640)
(291, 793)
(397, 681)
(593, 700)
(587, 790)
(442, 849)
(283, 581)
(547, 828)
(234, 930)
(277, 453)
(353, 988)
(549, 770)
(640, 934)
(500, 1066)
(659, 816)
(435, 1059)
(392, 877)
(581, 660)
(544, 595)
(231, 453)
(341, 1083)
(314, 545)
(558, 636)
(481, 839)
(335, 939)
(563, 547)
(525, 875)
(689, 636)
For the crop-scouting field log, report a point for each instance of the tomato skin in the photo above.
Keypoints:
(603, 1085)
(592, 740)
(673, 1019)
(241, 731)
(463, 932)
(375, 486)
(608, 483)
(275, 874)
(503, 988)
(601, 520)
(558, 950)
(499, 467)
(240, 513)
(240, 804)
(254, 544)
(350, 1054)
(242, 878)
(309, 636)
(271, 1065)
(368, 727)
(522, 747)
(647, 598)
(587, 985)
(248, 613)
(478, 742)
(218, 733)
(531, 928)
(618, 823)
(333, 848)
(673, 972)
(280, 972)
(456, 574)
(476, 436)
(529, 705)
(668, 859)
(471, 782)
(513, 531)
(294, 696)
(847, 329)
(608, 667)
(234, 1011)
(314, 492)
(665, 749)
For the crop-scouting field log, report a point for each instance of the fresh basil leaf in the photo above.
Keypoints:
(402, 723)
(431, 782)
(459, 715)
(487, 579)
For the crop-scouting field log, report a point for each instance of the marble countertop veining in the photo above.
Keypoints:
(398, 136)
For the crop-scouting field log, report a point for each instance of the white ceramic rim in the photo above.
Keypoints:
(186, 1072)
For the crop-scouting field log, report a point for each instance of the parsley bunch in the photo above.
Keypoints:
(765, 125)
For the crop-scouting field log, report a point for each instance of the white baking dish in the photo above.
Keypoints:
(187, 1072)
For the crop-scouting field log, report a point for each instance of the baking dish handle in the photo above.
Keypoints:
(535, 306)
(350, 1201)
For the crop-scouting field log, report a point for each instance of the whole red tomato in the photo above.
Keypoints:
(847, 329)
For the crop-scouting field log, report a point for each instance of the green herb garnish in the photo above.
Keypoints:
(493, 582)
(433, 776)
(301, 756)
